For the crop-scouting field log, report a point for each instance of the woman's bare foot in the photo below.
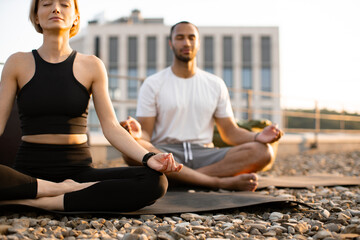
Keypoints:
(242, 182)
(47, 203)
(49, 189)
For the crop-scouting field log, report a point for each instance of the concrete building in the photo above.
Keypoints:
(133, 47)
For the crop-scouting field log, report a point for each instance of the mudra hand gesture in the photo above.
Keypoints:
(164, 162)
(269, 134)
(133, 127)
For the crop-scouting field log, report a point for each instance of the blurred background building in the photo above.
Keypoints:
(133, 47)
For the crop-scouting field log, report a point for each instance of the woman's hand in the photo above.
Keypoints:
(164, 162)
(133, 127)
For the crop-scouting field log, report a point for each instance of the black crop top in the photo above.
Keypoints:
(53, 101)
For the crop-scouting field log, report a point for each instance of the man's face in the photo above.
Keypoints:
(185, 42)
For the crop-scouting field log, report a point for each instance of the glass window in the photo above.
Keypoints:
(97, 46)
(94, 123)
(228, 64)
(132, 51)
(246, 80)
(150, 71)
(150, 56)
(113, 67)
(209, 69)
(209, 54)
(227, 51)
(132, 83)
(113, 82)
(265, 51)
(131, 112)
(169, 53)
(113, 50)
(266, 81)
(266, 113)
(246, 51)
(228, 78)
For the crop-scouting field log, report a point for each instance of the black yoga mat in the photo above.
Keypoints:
(184, 202)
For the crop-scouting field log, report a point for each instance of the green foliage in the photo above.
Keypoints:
(309, 123)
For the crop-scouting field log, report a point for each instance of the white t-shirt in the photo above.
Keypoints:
(184, 107)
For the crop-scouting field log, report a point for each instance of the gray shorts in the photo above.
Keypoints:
(194, 155)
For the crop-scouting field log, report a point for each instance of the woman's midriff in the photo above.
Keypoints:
(61, 139)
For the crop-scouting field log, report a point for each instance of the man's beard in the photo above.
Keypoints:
(182, 58)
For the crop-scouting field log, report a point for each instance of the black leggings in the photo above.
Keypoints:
(119, 189)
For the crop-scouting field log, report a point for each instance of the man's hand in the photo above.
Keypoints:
(269, 134)
(164, 162)
(133, 127)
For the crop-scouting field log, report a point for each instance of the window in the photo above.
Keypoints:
(150, 55)
(228, 78)
(94, 123)
(228, 63)
(169, 52)
(209, 54)
(113, 67)
(97, 46)
(266, 113)
(131, 112)
(266, 81)
(132, 83)
(247, 78)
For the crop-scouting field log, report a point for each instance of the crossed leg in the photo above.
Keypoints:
(234, 172)
(42, 194)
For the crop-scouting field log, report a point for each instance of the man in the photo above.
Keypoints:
(177, 109)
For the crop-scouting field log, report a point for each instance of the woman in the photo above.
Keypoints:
(53, 87)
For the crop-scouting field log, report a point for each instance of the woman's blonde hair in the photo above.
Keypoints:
(33, 14)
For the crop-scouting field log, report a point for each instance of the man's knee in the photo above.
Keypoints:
(263, 154)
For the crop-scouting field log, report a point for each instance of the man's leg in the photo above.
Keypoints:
(188, 176)
(244, 158)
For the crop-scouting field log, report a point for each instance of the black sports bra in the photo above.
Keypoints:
(53, 101)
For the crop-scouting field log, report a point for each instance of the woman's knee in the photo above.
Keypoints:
(156, 183)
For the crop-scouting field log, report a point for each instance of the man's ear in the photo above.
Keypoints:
(170, 44)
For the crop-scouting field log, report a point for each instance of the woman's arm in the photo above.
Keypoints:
(113, 131)
(8, 88)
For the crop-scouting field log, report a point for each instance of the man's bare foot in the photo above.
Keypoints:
(242, 182)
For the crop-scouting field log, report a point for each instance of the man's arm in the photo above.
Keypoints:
(232, 134)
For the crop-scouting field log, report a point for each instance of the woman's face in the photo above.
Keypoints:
(56, 15)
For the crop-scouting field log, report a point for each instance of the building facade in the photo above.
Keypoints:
(133, 47)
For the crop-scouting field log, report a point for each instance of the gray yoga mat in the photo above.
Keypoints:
(308, 181)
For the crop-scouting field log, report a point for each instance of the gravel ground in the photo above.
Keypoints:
(336, 213)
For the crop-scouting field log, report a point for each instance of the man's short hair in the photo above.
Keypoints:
(182, 22)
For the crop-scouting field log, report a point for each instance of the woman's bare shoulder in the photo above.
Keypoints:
(19, 57)
(89, 59)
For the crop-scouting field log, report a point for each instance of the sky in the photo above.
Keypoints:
(319, 39)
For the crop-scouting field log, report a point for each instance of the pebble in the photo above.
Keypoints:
(336, 213)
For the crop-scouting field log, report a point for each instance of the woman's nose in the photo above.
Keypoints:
(56, 8)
